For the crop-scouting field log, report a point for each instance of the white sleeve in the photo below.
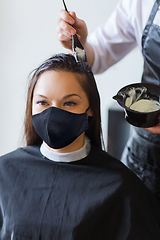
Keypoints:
(112, 41)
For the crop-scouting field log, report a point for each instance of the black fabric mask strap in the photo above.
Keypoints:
(87, 108)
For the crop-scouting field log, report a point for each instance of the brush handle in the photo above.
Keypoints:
(65, 5)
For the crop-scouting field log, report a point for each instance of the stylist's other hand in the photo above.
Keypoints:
(155, 129)
(65, 30)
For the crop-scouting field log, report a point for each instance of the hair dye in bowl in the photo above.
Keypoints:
(145, 105)
(141, 103)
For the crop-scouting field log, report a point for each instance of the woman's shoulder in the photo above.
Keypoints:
(103, 157)
(10, 155)
(102, 160)
(19, 154)
(116, 170)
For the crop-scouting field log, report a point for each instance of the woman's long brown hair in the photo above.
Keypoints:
(66, 63)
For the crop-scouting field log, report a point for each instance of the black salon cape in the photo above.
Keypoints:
(95, 198)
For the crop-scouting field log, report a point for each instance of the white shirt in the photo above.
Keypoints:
(121, 33)
(67, 157)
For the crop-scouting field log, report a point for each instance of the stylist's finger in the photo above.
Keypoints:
(64, 29)
(155, 129)
(68, 17)
(65, 40)
(80, 27)
(68, 24)
(64, 35)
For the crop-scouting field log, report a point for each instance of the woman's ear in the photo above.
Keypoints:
(89, 112)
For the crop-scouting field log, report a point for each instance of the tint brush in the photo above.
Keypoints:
(77, 48)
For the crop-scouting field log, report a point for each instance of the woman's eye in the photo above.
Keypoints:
(43, 103)
(69, 103)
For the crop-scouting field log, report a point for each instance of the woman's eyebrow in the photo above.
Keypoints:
(40, 95)
(71, 95)
(67, 96)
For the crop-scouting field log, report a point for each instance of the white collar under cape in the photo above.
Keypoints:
(66, 157)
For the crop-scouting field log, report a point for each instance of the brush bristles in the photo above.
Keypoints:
(80, 58)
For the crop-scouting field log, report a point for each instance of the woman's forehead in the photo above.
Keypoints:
(57, 82)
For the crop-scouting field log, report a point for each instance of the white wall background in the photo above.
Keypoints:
(28, 37)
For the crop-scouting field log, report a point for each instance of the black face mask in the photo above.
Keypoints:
(58, 128)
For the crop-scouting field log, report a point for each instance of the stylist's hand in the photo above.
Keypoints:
(65, 30)
(155, 129)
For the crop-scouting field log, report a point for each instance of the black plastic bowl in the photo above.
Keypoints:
(136, 118)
